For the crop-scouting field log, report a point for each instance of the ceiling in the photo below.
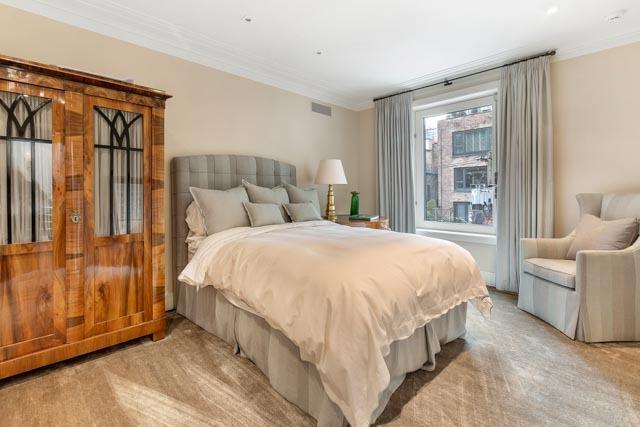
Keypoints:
(369, 47)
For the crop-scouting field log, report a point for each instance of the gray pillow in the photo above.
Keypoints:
(594, 233)
(263, 214)
(300, 212)
(221, 209)
(298, 195)
(276, 195)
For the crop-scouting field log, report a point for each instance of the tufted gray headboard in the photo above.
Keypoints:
(220, 172)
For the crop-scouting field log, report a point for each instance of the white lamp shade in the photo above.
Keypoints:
(330, 171)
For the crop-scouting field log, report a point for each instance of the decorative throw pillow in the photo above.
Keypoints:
(594, 233)
(276, 195)
(300, 212)
(298, 195)
(221, 209)
(263, 214)
(195, 220)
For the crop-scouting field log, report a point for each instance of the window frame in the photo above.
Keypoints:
(471, 97)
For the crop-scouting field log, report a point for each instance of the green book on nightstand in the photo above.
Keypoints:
(363, 217)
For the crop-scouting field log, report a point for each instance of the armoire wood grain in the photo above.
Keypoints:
(118, 278)
(32, 282)
(157, 216)
(80, 292)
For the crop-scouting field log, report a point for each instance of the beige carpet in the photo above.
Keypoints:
(511, 370)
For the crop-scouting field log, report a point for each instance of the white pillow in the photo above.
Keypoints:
(195, 220)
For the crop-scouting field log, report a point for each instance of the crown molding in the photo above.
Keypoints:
(597, 45)
(122, 23)
(142, 30)
(364, 105)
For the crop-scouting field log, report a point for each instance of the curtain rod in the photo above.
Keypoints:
(448, 82)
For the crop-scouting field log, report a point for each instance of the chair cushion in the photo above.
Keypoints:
(594, 233)
(617, 206)
(559, 271)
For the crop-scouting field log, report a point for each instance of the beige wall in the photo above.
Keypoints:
(211, 112)
(367, 177)
(596, 116)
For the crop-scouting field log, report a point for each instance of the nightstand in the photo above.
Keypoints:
(381, 223)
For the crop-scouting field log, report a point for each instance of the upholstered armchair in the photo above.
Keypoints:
(595, 298)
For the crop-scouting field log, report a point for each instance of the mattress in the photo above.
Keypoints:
(279, 359)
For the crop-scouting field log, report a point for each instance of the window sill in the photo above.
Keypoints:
(458, 236)
(471, 154)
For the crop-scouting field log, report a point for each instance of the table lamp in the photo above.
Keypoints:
(330, 172)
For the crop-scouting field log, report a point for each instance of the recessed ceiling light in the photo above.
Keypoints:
(552, 10)
(247, 18)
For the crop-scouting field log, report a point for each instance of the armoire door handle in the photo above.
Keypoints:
(75, 217)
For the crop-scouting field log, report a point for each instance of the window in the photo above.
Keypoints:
(429, 135)
(456, 163)
(461, 212)
(468, 178)
(471, 141)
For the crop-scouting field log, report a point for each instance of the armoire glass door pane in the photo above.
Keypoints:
(118, 182)
(25, 168)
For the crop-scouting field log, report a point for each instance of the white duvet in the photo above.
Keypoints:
(341, 294)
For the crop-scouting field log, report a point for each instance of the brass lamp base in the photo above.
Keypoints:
(331, 205)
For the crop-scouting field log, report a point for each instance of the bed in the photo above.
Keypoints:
(312, 371)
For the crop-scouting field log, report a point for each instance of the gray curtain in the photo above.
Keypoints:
(19, 132)
(106, 179)
(525, 164)
(393, 133)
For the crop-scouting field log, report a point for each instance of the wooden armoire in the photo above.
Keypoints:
(81, 213)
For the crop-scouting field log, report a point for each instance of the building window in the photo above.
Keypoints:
(461, 212)
(471, 141)
(456, 169)
(468, 178)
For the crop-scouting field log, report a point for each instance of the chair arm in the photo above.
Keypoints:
(608, 283)
(596, 256)
(545, 248)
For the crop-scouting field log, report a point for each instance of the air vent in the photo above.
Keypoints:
(322, 109)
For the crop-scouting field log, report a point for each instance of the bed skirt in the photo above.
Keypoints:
(279, 358)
